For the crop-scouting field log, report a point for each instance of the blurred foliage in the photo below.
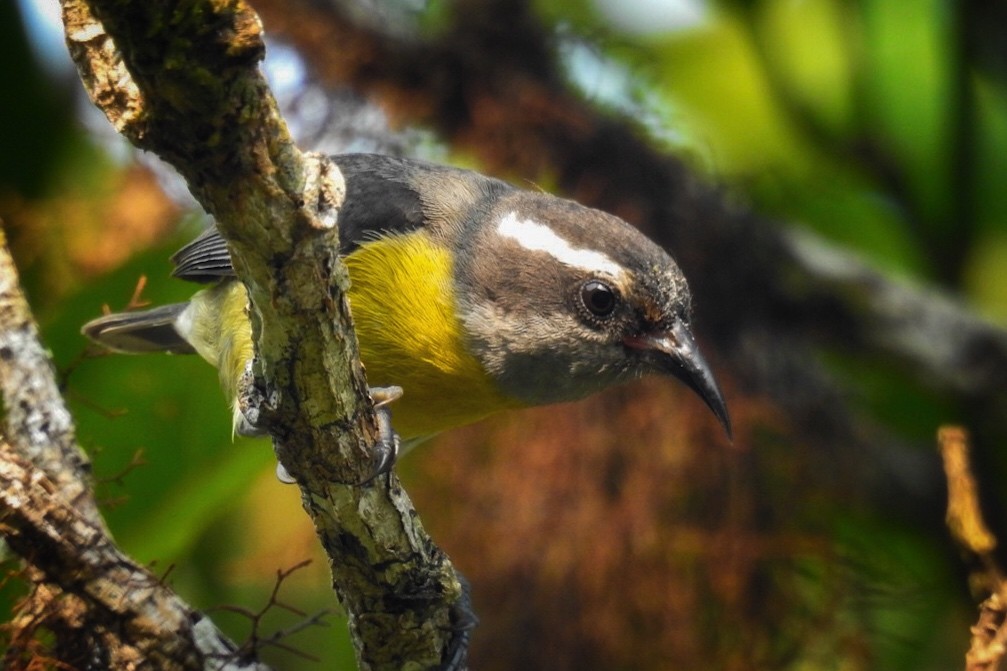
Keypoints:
(880, 124)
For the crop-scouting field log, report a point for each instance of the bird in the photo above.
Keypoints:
(469, 294)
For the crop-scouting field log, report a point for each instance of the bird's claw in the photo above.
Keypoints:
(386, 449)
(382, 396)
(245, 426)
(247, 413)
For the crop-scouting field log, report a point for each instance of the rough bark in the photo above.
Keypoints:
(181, 79)
(101, 606)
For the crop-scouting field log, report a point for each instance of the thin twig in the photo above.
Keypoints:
(256, 641)
(965, 520)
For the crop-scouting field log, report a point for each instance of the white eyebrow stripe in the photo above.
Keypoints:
(537, 237)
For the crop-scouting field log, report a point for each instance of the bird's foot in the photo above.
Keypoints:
(246, 428)
(247, 414)
(248, 417)
(386, 450)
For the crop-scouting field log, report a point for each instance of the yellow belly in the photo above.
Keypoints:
(402, 303)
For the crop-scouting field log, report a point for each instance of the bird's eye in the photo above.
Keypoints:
(599, 298)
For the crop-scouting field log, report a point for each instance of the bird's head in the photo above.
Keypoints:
(559, 301)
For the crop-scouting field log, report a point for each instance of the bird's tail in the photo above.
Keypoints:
(142, 331)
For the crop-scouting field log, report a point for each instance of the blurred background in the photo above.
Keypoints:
(623, 532)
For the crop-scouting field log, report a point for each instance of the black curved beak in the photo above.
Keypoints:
(679, 355)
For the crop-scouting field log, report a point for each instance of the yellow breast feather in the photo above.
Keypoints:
(402, 301)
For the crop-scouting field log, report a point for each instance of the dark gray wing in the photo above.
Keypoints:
(381, 198)
(205, 259)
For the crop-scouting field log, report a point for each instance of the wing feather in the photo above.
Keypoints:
(382, 198)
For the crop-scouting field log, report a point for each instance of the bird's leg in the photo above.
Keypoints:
(386, 449)
(246, 429)
(247, 413)
(248, 416)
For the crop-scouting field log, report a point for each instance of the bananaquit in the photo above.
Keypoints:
(469, 294)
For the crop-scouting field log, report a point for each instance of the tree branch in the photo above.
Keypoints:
(35, 416)
(99, 604)
(181, 79)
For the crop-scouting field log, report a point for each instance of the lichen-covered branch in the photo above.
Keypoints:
(180, 79)
(35, 416)
(99, 604)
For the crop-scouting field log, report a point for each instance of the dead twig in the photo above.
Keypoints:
(964, 519)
